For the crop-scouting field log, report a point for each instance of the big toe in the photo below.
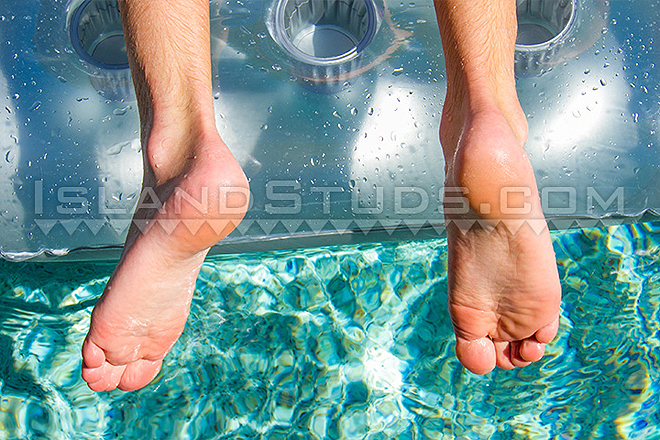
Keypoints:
(476, 355)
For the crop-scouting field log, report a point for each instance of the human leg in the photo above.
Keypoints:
(144, 307)
(504, 290)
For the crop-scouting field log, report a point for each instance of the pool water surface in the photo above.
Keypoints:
(350, 342)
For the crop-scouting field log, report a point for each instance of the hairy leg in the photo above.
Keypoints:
(199, 189)
(504, 290)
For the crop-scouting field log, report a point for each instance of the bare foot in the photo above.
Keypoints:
(504, 290)
(144, 307)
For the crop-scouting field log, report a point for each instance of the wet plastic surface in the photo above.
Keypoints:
(334, 154)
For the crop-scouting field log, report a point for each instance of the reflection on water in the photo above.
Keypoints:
(343, 343)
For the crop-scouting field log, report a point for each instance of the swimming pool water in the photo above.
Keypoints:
(343, 343)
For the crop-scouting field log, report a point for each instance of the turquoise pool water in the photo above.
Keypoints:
(343, 343)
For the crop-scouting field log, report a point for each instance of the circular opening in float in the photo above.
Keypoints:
(324, 31)
(97, 34)
(540, 22)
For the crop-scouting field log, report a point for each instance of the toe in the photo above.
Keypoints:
(98, 386)
(478, 355)
(93, 356)
(547, 334)
(139, 374)
(91, 375)
(100, 378)
(515, 354)
(114, 376)
(104, 378)
(531, 349)
(503, 355)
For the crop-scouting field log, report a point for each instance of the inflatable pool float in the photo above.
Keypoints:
(332, 110)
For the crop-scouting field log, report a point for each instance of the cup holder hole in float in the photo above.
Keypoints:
(324, 32)
(313, 31)
(97, 34)
(542, 22)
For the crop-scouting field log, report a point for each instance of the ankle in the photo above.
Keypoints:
(172, 143)
(462, 106)
(509, 109)
(505, 104)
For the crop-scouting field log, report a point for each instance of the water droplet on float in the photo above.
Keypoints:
(121, 111)
(314, 161)
(398, 71)
(264, 127)
(354, 111)
(603, 82)
(370, 111)
(35, 106)
(117, 149)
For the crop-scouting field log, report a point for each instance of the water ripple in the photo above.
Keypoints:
(344, 343)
